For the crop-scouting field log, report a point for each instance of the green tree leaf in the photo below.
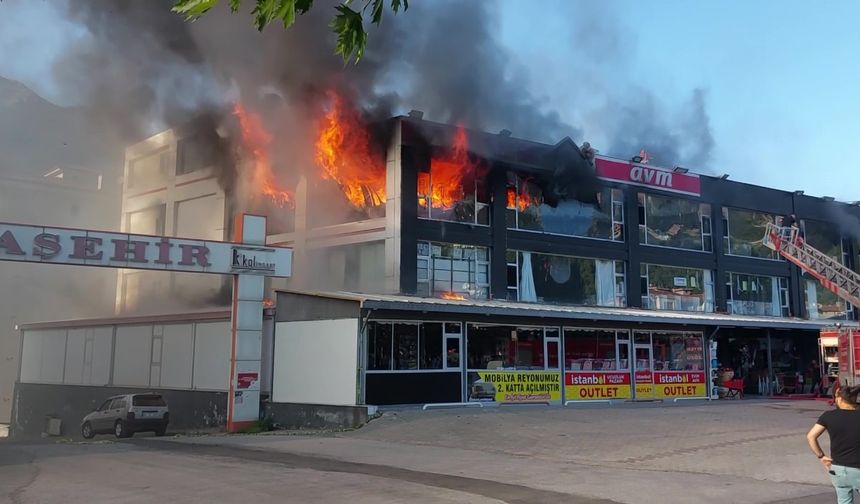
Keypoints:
(192, 9)
(351, 37)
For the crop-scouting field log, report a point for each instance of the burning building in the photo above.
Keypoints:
(438, 264)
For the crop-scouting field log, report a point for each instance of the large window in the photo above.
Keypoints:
(594, 350)
(195, 153)
(453, 271)
(453, 193)
(546, 278)
(678, 351)
(149, 221)
(149, 169)
(512, 348)
(743, 231)
(674, 222)
(822, 303)
(413, 346)
(677, 289)
(757, 295)
(528, 209)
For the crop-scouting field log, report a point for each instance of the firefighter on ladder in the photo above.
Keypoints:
(790, 229)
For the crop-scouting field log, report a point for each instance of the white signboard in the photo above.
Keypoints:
(122, 250)
(680, 281)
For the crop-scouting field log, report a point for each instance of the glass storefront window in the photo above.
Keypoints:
(678, 351)
(743, 231)
(412, 346)
(757, 295)
(591, 350)
(677, 289)
(528, 209)
(547, 278)
(453, 271)
(674, 222)
(431, 345)
(378, 346)
(505, 347)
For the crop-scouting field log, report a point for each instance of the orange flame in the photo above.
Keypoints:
(447, 174)
(256, 140)
(452, 296)
(343, 153)
(524, 202)
(268, 303)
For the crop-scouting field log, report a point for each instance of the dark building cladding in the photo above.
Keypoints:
(556, 233)
(563, 170)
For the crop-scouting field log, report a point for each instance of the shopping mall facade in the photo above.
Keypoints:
(554, 277)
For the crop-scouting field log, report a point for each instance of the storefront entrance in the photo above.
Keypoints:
(643, 374)
(605, 365)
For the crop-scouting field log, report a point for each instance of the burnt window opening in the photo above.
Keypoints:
(454, 192)
(743, 231)
(529, 208)
(675, 223)
(194, 153)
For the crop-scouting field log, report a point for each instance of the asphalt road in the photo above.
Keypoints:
(744, 452)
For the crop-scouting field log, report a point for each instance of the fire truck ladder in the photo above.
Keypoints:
(832, 274)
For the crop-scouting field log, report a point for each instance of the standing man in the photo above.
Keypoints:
(843, 426)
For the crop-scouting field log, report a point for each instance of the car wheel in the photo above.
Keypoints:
(121, 430)
(87, 431)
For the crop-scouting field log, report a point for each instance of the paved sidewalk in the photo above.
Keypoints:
(752, 452)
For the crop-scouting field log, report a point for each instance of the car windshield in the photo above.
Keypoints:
(149, 400)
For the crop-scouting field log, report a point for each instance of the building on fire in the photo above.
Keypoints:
(469, 266)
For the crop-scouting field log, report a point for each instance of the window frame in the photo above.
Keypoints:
(419, 323)
(613, 203)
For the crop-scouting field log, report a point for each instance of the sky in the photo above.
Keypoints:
(778, 77)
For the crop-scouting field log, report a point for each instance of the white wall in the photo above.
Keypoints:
(43, 357)
(176, 356)
(132, 360)
(101, 356)
(212, 347)
(316, 362)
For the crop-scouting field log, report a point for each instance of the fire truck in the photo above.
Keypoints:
(839, 346)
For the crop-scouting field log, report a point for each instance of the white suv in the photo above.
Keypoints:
(126, 414)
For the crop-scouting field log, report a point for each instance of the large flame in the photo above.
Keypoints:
(443, 186)
(524, 201)
(256, 140)
(343, 152)
(452, 296)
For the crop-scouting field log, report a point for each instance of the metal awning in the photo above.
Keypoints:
(589, 313)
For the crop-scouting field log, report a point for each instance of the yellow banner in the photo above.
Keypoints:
(680, 384)
(516, 386)
(596, 385)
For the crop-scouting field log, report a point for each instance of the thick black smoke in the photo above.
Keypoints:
(145, 67)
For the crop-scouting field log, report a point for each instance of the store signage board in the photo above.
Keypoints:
(628, 172)
(53, 245)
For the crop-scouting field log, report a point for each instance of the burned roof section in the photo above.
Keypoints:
(562, 170)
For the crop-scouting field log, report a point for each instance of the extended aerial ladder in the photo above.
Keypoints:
(832, 274)
(842, 281)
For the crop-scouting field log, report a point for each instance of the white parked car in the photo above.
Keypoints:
(124, 415)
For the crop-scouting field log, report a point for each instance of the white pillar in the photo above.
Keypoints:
(243, 403)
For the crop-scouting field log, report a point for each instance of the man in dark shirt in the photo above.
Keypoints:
(843, 427)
